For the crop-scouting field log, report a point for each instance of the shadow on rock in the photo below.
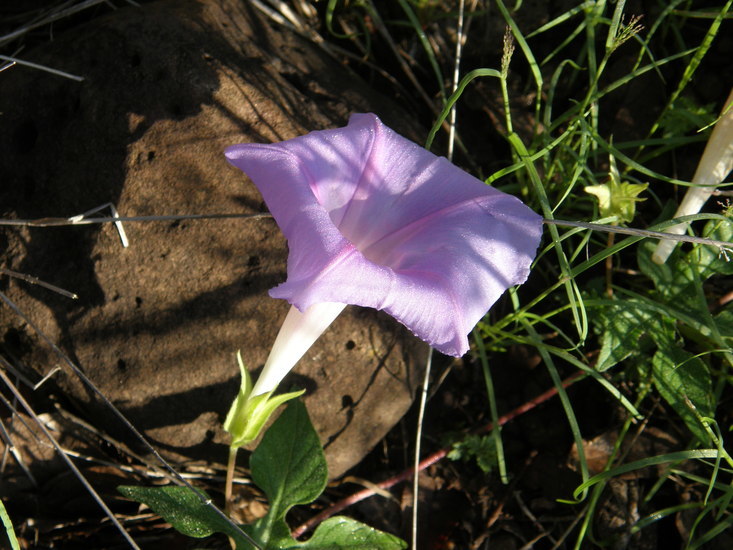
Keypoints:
(166, 88)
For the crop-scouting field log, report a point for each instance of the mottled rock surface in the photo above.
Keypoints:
(166, 88)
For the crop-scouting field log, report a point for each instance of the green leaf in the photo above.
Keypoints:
(623, 324)
(288, 465)
(684, 381)
(686, 116)
(677, 278)
(183, 509)
(710, 260)
(679, 456)
(482, 448)
(724, 322)
(340, 533)
(679, 281)
(667, 281)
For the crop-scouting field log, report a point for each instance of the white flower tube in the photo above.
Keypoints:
(297, 334)
(715, 164)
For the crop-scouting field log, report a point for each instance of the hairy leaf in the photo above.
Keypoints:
(684, 381)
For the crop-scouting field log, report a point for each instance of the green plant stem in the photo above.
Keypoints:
(8, 527)
(454, 98)
(527, 51)
(229, 483)
(647, 233)
(562, 395)
(496, 430)
(573, 292)
(679, 456)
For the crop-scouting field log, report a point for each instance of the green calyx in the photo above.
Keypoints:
(617, 198)
(248, 414)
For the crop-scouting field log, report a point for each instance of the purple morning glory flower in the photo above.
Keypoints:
(375, 220)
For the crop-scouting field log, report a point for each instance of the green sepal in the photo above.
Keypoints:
(617, 198)
(248, 415)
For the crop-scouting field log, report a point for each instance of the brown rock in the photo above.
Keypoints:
(167, 87)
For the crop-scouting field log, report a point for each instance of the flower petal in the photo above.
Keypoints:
(298, 333)
(375, 220)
